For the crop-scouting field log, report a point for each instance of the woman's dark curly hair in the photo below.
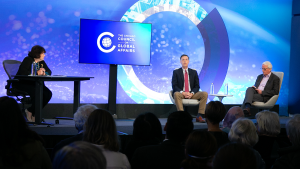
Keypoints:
(36, 51)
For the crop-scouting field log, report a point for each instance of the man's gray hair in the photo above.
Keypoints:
(82, 114)
(268, 64)
(243, 131)
(268, 123)
(293, 130)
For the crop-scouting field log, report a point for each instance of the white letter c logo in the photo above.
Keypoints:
(98, 42)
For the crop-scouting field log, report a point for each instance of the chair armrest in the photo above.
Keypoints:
(272, 100)
(9, 82)
(171, 96)
(12, 80)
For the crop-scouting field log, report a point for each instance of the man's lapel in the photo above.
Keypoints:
(180, 71)
(259, 80)
(191, 77)
(269, 80)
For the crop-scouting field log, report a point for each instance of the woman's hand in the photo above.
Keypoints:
(41, 71)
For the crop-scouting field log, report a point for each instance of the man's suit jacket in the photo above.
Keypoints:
(271, 88)
(178, 80)
(169, 154)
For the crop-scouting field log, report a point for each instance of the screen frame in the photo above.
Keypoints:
(113, 63)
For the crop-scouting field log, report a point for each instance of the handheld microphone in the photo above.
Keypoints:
(42, 67)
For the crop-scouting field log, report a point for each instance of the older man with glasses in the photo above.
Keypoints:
(266, 86)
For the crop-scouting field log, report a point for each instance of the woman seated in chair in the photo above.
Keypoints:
(37, 55)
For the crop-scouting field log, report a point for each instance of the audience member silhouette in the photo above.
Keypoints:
(214, 113)
(146, 131)
(234, 156)
(200, 148)
(268, 128)
(80, 117)
(170, 152)
(79, 155)
(19, 146)
(244, 131)
(100, 129)
(232, 114)
(290, 155)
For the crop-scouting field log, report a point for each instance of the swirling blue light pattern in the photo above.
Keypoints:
(255, 30)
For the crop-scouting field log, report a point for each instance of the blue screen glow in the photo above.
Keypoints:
(256, 31)
(109, 42)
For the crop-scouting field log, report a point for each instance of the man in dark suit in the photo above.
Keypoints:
(185, 84)
(170, 153)
(266, 86)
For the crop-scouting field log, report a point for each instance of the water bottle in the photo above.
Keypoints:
(212, 90)
(226, 89)
(33, 69)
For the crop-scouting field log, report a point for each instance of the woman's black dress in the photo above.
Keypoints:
(29, 86)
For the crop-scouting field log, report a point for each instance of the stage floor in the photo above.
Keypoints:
(124, 126)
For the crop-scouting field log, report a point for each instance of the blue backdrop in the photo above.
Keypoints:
(257, 31)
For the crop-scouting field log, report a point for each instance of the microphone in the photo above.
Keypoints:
(42, 67)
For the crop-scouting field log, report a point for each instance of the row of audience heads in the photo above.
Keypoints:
(147, 125)
(236, 154)
(243, 133)
(100, 128)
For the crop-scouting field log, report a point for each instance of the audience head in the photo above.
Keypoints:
(36, 51)
(215, 112)
(200, 147)
(243, 131)
(232, 114)
(12, 121)
(268, 123)
(293, 130)
(82, 114)
(147, 126)
(100, 128)
(79, 155)
(235, 156)
(16, 132)
(179, 125)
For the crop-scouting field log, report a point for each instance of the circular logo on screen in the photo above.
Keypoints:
(106, 42)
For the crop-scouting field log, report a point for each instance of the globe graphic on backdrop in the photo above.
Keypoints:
(106, 42)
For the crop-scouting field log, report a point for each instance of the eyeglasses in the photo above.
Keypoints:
(265, 68)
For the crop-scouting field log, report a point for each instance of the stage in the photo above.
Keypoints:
(124, 126)
(130, 111)
(126, 113)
